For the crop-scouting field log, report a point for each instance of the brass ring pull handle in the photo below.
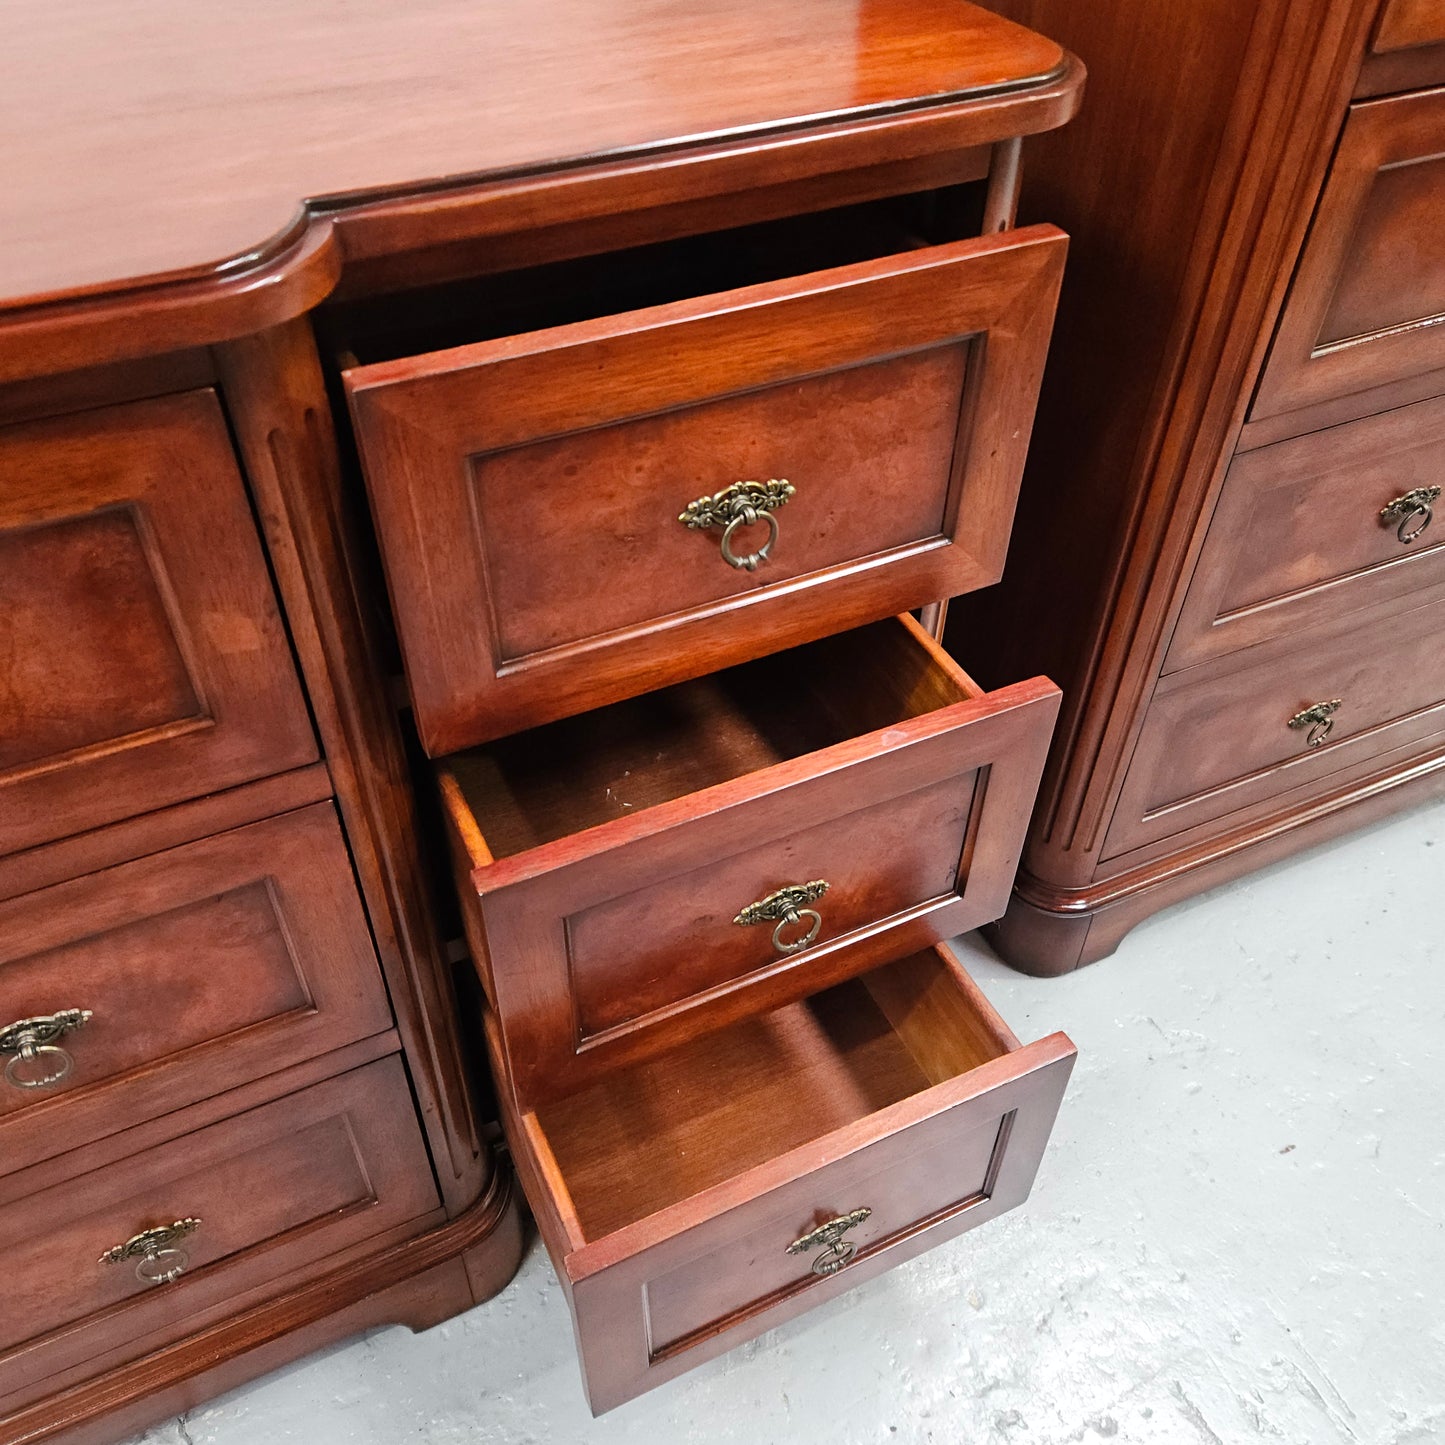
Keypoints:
(749, 562)
(36, 1061)
(785, 908)
(1319, 719)
(792, 916)
(158, 1258)
(1414, 512)
(836, 1251)
(737, 506)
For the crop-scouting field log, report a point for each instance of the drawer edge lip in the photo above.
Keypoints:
(546, 858)
(823, 952)
(677, 1219)
(578, 652)
(363, 384)
(139, 1136)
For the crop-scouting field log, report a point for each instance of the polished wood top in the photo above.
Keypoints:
(144, 138)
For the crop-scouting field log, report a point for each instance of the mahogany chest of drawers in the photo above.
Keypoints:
(1233, 564)
(459, 557)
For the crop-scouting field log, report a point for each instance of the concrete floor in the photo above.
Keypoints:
(1238, 1233)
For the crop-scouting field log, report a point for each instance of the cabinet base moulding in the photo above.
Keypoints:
(1050, 931)
(419, 1282)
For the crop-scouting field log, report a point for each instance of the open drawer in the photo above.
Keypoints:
(582, 512)
(694, 1201)
(621, 872)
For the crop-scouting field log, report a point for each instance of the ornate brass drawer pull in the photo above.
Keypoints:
(837, 1251)
(1417, 508)
(37, 1061)
(785, 908)
(1319, 719)
(740, 505)
(158, 1258)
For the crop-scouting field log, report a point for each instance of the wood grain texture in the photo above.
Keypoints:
(218, 127)
(278, 405)
(1181, 272)
(773, 1126)
(277, 1190)
(1389, 72)
(429, 426)
(915, 818)
(160, 280)
(1297, 539)
(1048, 931)
(52, 863)
(1215, 739)
(1408, 23)
(145, 661)
(417, 1280)
(271, 908)
(1370, 288)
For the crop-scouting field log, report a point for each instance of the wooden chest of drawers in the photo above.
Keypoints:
(702, 820)
(528, 490)
(208, 1130)
(589, 438)
(1235, 471)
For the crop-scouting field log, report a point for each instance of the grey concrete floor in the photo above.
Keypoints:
(1237, 1235)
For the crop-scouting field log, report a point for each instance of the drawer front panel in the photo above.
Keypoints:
(276, 1191)
(1369, 292)
(145, 659)
(936, 1171)
(202, 967)
(1298, 537)
(1405, 24)
(1223, 741)
(645, 951)
(869, 451)
(704, 1276)
(528, 491)
(619, 943)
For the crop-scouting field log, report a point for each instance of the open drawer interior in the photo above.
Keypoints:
(723, 846)
(672, 1127)
(543, 785)
(534, 298)
(695, 1200)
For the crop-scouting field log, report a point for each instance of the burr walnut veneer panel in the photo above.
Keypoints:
(276, 1189)
(203, 967)
(527, 491)
(145, 661)
(1368, 298)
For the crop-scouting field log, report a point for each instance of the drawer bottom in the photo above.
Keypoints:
(695, 1200)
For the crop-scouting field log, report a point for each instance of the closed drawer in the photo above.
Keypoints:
(1364, 307)
(278, 1191)
(1311, 529)
(530, 491)
(676, 1197)
(201, 968)
(607, 863)
(145, 661)
(1405, 24)
(1218, 738)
